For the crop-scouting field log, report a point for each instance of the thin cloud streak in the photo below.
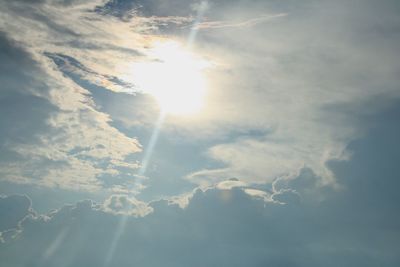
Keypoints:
(237, 24)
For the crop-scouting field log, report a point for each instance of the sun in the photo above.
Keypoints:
(174, 77)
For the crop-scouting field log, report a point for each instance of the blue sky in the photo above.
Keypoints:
(199, 133)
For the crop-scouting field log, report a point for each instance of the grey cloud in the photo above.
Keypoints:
(89, 3)
(13, 209)
(23, 104)
(29, 1)
(14, 57)
(78, 72)
(124, 9)
(356, 224)
(163, 8)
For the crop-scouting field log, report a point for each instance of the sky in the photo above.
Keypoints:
(199, 133)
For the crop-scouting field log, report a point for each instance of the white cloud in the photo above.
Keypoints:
(237, 24)
(77, 144)
(125, 205)
(302, 82)
(288, 80)
(229, 184)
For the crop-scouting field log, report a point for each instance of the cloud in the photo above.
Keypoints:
(304, 86)
(286, 105)
(237, 226)
(125, 205)
(67, 3)
(55, 137)
(229, 184)
(13, 209)
(293, 222)
(237, 24)
(290, 82)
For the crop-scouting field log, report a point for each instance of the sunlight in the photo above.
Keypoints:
(174, 77)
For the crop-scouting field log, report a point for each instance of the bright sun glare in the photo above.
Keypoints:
(174, 77)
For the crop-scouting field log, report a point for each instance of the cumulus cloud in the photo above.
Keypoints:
(233, 227)
(300, 223)
(125, 205)
(12, 210)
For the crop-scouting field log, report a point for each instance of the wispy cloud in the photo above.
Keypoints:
(286, 84)
(76, 144)
(237, 24)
